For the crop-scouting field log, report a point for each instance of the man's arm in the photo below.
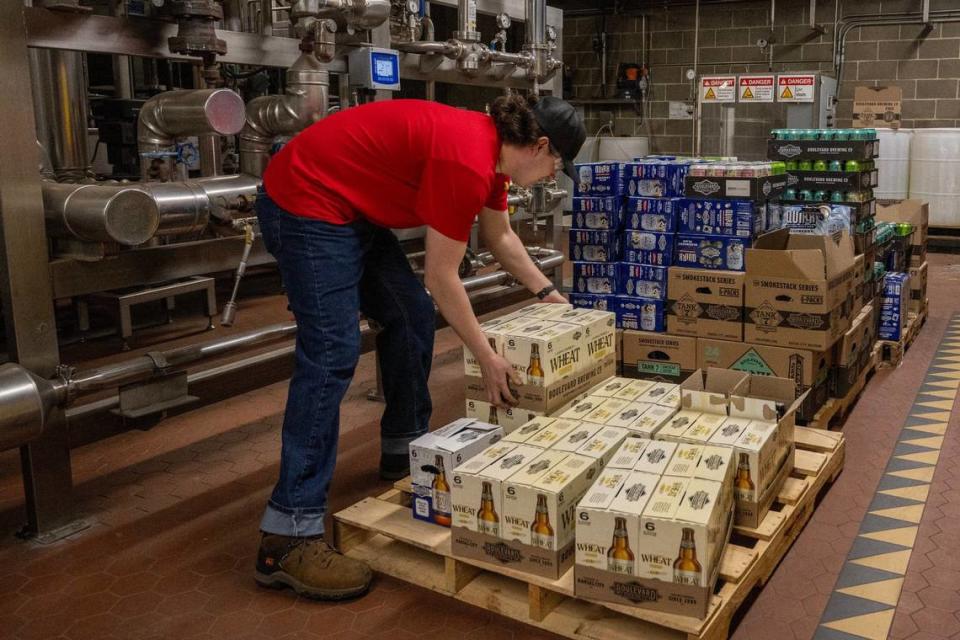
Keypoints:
(443, 256)
(498, 236)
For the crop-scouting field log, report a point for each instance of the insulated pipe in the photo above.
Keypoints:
(27, 400)
(124, 214)
(304, 103)
(132, 214)
(60, 104)
(173, 114)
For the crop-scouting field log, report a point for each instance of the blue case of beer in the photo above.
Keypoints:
(648, 247)
(655, 177)
(599, 179)
(651, 214)
(893, 305)
(594, 277)
(721, 217)
(642, 280)
(641, 314)
(593, 301)
(597, 213)
(702, 251)
(590, 245)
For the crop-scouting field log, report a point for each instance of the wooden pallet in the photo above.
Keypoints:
(835, 410)
(382, 532)
(892, 351)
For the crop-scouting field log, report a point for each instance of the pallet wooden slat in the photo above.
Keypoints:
(382, 532)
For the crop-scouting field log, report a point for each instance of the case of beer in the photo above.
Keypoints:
(655, 541)
(510, 418)
(507, 324)
(432, 459)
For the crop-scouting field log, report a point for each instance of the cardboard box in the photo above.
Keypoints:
(629, 453)
(798, 290)
(822, 149)
(544, 352)
(706, 216)
(606, 410)
(547, 399)
(553, 434)
(433, 457)
(918, 287)
(597, 213)
(634, 390)
(705, 303)
(593, 245)
(477, 486)
(677, 426)
(848, 358)
(729, 432)
(598, 331)
(648, 247)
(809, 370)
(642, 280)
(756, 189)
(710, 390)
(681, 532)
(601, 179)
(593, 301)
(655, 177)
(609, 388)
(494, 330)
(651, 214)
(665, 394)
(555, 496)
(510, 418)
(629, 415)
(519, 511)
(656, 457)
(875, 107)
(603, 444)
(710, 252)
(599, 544)
(652, 420)
(527, 430)
(641, 314)
(658, 356)
(594, 277)
(917, 213)
(703, 429)
(582, 407)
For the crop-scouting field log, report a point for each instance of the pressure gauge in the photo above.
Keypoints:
(691, 74)
(503, 21)
(551, 32)
(413, 6)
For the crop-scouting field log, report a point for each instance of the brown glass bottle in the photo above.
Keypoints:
(535, 369)
(686, 568)
(541, 532)
(488, 521)
(620, 558)
(441, 495)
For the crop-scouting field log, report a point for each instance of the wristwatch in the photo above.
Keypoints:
(543, 293)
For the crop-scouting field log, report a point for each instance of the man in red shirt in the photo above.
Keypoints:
(331, 197)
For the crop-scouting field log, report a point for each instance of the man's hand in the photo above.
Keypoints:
(555, 297)
(497, 376)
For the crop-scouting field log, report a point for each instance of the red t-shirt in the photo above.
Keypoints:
(398, 163)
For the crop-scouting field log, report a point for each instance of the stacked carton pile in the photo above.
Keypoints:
(904, 256)
(557, 352)
(625, 216)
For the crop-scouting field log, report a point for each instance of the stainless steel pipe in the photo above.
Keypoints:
(26, 400)
(173, 114)
(60, 104)
(305, 101)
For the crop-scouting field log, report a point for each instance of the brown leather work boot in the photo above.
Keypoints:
(310, 567)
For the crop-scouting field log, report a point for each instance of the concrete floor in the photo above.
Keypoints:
(174, 513)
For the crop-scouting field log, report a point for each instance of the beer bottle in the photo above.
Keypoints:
(743, 483)
(441, 495)
(492, 418)
(686, 569)
(620, 558)
(535, 370)
(541, 533)
(488, 521)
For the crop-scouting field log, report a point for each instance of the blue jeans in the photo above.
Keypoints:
(332, 273)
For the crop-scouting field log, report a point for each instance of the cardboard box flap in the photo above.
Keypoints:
(805, 257)
(760, 397)
(709, 391)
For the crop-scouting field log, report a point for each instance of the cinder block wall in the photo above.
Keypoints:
(926, 67)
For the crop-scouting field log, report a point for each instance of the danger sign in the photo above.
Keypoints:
(756, 88)
(799, 87)
(718, 89)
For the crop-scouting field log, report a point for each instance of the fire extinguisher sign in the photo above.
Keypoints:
(796, 87)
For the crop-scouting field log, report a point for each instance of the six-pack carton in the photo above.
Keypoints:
(433, 457)
(798, 290)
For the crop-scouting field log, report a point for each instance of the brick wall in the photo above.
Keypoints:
(926, 68)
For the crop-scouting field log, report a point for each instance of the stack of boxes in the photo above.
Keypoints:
(622, 242)
(557, 351)
(651, 529)
(909, 220)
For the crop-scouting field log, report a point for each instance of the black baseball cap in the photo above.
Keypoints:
(564, 127)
